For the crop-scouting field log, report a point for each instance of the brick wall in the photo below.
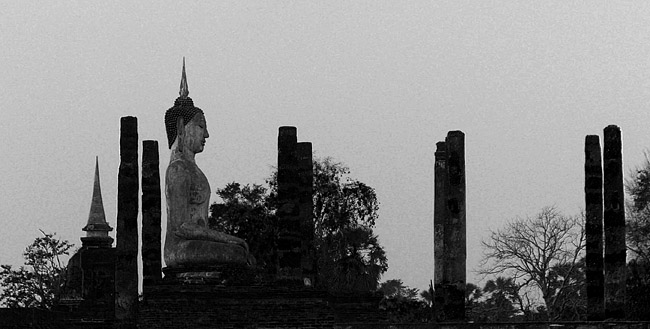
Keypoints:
(203, 306)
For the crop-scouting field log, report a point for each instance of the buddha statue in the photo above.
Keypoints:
(189, 242)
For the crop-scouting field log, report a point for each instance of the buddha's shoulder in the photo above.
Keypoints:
(179, 168)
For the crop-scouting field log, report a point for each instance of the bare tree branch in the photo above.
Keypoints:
(533, 250)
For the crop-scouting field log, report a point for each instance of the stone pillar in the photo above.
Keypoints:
(289, 239)
(151, 209)
(614, 222)
(455, 239)
(594, 229)
(440, 219)
(306, 202)
(126, 267)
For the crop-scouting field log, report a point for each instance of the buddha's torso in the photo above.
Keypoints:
(198, 190)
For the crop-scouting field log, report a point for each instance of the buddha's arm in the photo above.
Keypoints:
(187, 226)
(191, 231)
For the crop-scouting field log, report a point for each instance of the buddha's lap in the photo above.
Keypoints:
(195, 252)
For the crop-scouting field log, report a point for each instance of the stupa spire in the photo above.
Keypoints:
(97, 228)
(184, 92)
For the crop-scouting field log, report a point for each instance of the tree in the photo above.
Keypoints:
(246, 212)
(427, 295)
(395, 288)
(637, 213)
(38, 283)
(637, 185)
(567, 282)
(402, 304)
(349, 256)
(541, 254)
(496, 302)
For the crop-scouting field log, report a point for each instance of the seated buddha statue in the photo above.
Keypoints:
(189, 242)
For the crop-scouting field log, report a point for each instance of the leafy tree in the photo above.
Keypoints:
(638, 291)
(637, 231)
(638, 212)
(427, 295)
(402, 304)
(473, 295)
(567, 282)
(246, 212)
(529, 250)
(349, 255)
(38, 283)
(395, 288)
(496, 302)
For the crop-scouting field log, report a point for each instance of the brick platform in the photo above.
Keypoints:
(213, 306)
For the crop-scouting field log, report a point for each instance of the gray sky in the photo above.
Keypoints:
(374, 84)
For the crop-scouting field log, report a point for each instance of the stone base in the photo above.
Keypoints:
(225, 275)
(218, 306)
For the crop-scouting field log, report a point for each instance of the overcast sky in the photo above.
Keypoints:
(374, 84)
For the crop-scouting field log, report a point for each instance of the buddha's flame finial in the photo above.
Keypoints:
(184, 92)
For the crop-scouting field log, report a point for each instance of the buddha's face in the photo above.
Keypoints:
(195, 134)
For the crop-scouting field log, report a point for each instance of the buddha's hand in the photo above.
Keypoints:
(240, 242)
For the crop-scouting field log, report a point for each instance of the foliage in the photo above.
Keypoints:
(349, 255)
(637, 303)
(637, 231)
(495, 302)
(403, 310)
(247, 213)
(402, 304)
(542, 256)
(395, 288)
(428, 295)
(38, 283)
(568, 291)
(637, 185)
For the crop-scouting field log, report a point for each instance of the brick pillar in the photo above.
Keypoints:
(440, 219)
(289, 239)
(594, 229)
(306, 202)
(151, 209)
(614, 220)
(126, 265)
(455, 231)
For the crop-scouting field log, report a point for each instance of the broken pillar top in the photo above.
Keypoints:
(455, 133)
(441, 149)
(288, 131)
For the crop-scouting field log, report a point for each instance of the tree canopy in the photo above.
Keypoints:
(349, 255)
(637, 185)
(395, 288)
(637, 232)
(247, 212)
(497, 301)
(37, 283)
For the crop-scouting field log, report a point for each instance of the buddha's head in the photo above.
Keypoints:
(186, 127)
(185, 124)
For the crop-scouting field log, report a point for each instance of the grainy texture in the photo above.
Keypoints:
(455, 230)
(290, 235)
(594, 228)
(210, 306)
(189, 241)
(306, 203)
(151, 209)
(614, 224)
(126, 267)
(440, 220)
